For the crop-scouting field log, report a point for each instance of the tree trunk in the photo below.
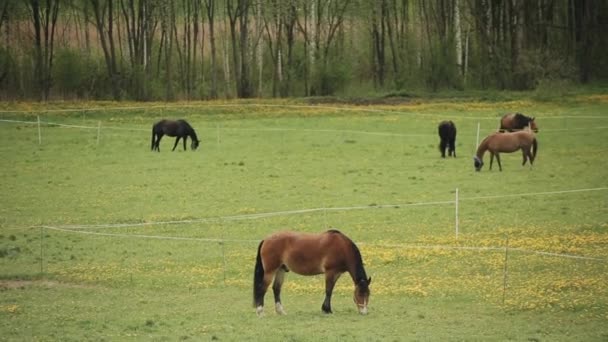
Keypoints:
(210, 5)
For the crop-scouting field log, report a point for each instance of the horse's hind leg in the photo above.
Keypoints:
(259, 305)
(276, 290)
(491, 160)
(442, 146)
(525, 153)
(157, 142)
(175, 145)
(184, 140)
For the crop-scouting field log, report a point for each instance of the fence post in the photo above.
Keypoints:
(505, 271)
(41, 251)
(217, 126)
(39, 131)
(98, 131)
(477, 140)
(222, 243)
(456, 208)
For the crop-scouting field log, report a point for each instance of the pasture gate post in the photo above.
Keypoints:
(39, 131)
(456, 209)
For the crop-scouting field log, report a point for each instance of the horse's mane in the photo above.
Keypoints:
(359, 270)
(522, 119)
(191, 131)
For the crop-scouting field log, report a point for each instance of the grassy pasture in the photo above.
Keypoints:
(109, 241)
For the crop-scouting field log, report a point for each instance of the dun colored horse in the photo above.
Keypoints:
(517, 121)
(180, 129)
(447, 136)
(330, 252)
(506, 142)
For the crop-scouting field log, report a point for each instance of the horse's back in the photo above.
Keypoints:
(446, 129)
(506, 122)
(510, 141)
(525, 136)
(171, 128)
(302, 253)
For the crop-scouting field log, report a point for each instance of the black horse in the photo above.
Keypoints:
(180, 129)
(447, 134)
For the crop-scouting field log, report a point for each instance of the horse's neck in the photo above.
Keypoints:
(192, 135)
(483, 147)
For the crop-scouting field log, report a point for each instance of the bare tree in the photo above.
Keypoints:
(44, 18)
(104, 22)
(210, 10)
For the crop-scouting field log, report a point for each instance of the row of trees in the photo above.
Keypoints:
(199, 49)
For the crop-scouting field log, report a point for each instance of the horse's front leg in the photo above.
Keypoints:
(175, 145)
(330, 282)
(491, 160)
(525, 154)
(276, 290)
(184, 140)
(498, 161)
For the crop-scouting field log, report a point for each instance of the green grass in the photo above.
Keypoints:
(170, 281)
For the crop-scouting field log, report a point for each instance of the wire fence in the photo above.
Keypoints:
(93, 229)
(519, 276)
(225, 260)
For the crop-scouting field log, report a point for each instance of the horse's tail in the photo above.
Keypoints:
(534, 148)
(258, 278)
(152, 143)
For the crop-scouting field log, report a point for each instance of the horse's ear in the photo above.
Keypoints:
(369, 280)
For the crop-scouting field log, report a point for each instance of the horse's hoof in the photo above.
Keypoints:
(279, 309)
(259, 311)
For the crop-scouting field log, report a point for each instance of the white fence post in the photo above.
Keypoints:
(505, 271)
(98, 131)
(39, 132)
(456, 208)
(477, 141)
(218, 134)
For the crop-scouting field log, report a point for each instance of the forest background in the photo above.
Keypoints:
(205, 49)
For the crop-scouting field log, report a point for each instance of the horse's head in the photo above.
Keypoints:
(194, 145)
(361, 297)
(532, 125)
(478, 163)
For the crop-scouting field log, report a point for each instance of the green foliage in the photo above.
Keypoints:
(70, 73)
(330, 78)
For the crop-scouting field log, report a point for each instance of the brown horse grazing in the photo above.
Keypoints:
(506, 142)
(517, 121)
(447, 138)
(330, 252)
(179, 128)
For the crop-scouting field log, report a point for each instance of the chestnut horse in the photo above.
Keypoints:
(506, 142)
(180, 129)
(447, 136)
(517, 121)
(330, 252)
